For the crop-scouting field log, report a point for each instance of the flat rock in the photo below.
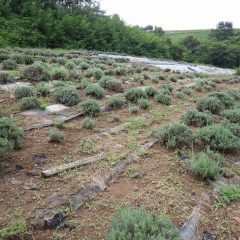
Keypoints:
(49, 109)
(13, 86)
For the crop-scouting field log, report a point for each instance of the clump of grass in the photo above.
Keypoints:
(6, 78)
(129, 223)
(91, 107)
(197, 119)
(10, 132)
(175, 135)
(143, 103)
(27, 103)
(232, 115)
(56, 135)
(218, 137)
(42, 89)
(134, 126)
(87, 146)
(163, 98)
(160, 76)
(22, 92)
(5, 148)
(9, 64)
(204, 167)
(211, 104)
(17, 230)
(134, 94)
(151, 91)
(226, 99)
(59, 73)
(134, 109)
(115, 102)
(120, 71)
(67, 95)
(94, 72)
(88, 123)
(94, 90)
(111, 84)
(36, 73)
(227, 194)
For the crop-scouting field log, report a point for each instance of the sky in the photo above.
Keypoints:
(175, 14)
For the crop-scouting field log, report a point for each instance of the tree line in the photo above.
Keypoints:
(81, 24)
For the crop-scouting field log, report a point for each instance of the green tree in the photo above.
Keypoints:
(223, 31)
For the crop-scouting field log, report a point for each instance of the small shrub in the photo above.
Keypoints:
(3, 57)
(59, 73)
(120, 71)
(163, 98)
(115, 102)
(204, 167)
(173, 79)
(29, 103)
(186, 90)
(42, 89)
(84, 83)
(5, 147)
(134, 94)
(22, 59)
(15, 231)
(36, 72)
(151, 91)
(5, 78)
(9, 64)
(218, 137)
(197, 119)
(10, 132)
(232, 115)
(132, 224)
(180, 95)
(238, 71)
(228, 194)
(94, 90)
(94, 72)
(161, 76)
(88, 123)
(138, 78)
(167, 89)
(143, 103)
(134, 109)
(84, 66)
(226, 99)
(91, 107)
(175, 135)
(22, 92)
(56, 135)
(211, 104)
(66, 95)
(70, 65)
(111, 84)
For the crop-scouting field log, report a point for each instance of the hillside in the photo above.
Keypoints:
(202, 34)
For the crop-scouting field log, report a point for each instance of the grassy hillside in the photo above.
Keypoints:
(178, 35)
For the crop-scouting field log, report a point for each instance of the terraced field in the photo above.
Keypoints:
(82, 135)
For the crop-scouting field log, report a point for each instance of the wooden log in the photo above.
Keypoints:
(54, 171)
(189, 229)
(38, 126)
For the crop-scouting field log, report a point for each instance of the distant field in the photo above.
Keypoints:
(179, 35)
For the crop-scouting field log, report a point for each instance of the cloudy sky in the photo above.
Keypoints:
(175, 14)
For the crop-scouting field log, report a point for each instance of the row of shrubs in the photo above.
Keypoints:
(221, 136)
